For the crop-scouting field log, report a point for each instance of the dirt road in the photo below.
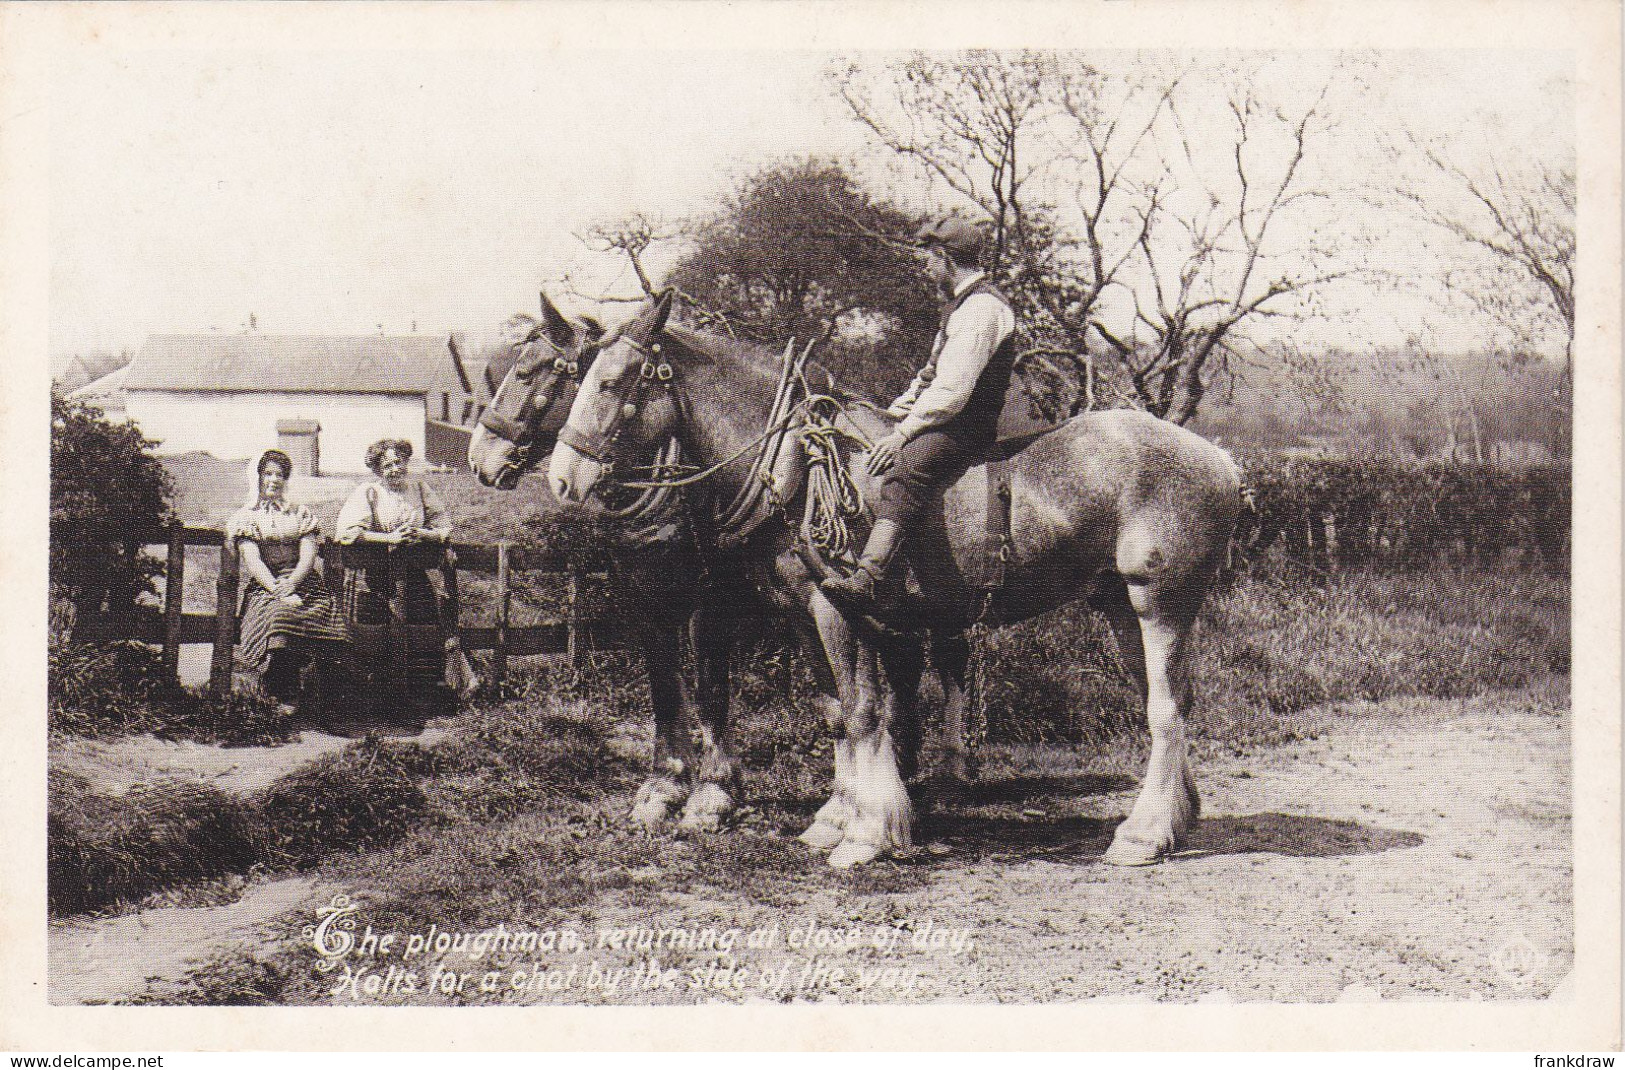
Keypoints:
(1416, 849)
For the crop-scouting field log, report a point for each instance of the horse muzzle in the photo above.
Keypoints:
(571, 475)
(497, 461)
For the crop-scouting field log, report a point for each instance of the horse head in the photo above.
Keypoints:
(624, 408)
(546, 357)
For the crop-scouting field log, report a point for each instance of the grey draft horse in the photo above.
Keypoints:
(675, 591)
(1119, 507)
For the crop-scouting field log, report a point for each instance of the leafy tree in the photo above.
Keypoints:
(108, 492)
(801, 250)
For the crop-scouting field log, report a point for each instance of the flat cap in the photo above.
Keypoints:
(956, 235)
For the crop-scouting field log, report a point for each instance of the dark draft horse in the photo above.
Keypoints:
(1120, 507)
(674, 590)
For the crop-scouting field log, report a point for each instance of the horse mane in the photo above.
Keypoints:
(708, 345)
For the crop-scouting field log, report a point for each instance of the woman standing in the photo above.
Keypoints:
(406, 528)
(288, 615)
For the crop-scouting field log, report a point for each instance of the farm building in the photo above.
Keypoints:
(323, 399)
(106, 394)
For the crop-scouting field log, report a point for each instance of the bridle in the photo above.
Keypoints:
(654, 373)
(547, 376)
(759, 495)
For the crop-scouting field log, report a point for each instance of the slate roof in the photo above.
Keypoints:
(246, 363)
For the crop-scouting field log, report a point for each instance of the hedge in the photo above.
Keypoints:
(1338, 514)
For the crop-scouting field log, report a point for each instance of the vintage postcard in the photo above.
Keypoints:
(1022, 525)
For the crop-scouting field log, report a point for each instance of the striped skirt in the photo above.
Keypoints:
(269, 625)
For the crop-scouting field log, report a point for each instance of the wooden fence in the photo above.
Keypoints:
(171, 627)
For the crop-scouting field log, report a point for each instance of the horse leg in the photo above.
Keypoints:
(904, 661)
(1112, 600)
(667, 788)
(827, 700)
(1168, 804)
(950, 653)
(717, 779)
(881, 817)
(837, 648)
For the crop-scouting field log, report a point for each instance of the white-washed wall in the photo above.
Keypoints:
(240, 425)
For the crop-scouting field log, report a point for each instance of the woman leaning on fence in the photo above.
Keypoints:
(397, 530)
(288, 616)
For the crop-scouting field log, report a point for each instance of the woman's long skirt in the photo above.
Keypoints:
(269, 625)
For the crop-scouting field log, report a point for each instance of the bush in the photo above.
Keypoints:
(108, 494)
(1335, 513)
(109, 689)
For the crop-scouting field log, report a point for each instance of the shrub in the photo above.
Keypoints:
(121, 688)
(109, 689)
(108, 493)
(1336, 513)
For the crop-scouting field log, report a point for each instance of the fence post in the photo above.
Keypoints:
(174, 599)
(499, 654)
(575, 644)
(454, 599)
(225, 620)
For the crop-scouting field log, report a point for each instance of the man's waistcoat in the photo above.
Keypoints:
(977, 424)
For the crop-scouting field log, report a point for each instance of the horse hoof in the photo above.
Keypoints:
(851, 853)
(822, 836)
(656, 801)
(706, 808)
(652, 813)
(1129, 852)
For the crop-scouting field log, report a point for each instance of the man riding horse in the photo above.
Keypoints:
(949, 416)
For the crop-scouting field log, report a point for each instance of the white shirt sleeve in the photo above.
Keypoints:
(356, 515)
(976, 329)
(905, 404)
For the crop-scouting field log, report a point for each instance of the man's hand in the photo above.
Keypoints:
(884, 455)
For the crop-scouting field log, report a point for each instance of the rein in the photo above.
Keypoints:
(756, 499)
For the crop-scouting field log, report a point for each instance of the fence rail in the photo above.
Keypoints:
(171, 627)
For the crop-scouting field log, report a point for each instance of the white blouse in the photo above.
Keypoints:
(374, 507)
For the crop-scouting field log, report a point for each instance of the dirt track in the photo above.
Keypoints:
(1417, 849)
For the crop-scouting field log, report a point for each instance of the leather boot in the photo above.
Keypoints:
(859, 588)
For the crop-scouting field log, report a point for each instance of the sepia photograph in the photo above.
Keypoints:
(790, 522)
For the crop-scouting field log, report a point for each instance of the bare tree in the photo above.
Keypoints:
(1520, 224)
(1111, 220)
(1214, 261)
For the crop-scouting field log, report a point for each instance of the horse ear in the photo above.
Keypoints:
(652, 319)
(557, 327)
(457, 362)
(595, 330)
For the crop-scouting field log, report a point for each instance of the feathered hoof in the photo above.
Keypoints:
(706, 808)
(1127, 851)
(852, 853)
(657, 801)
(822, 836)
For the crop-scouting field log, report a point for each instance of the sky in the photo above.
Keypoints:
(345, 192)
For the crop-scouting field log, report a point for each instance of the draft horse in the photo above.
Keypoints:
(675, 590)
(1129, 511)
